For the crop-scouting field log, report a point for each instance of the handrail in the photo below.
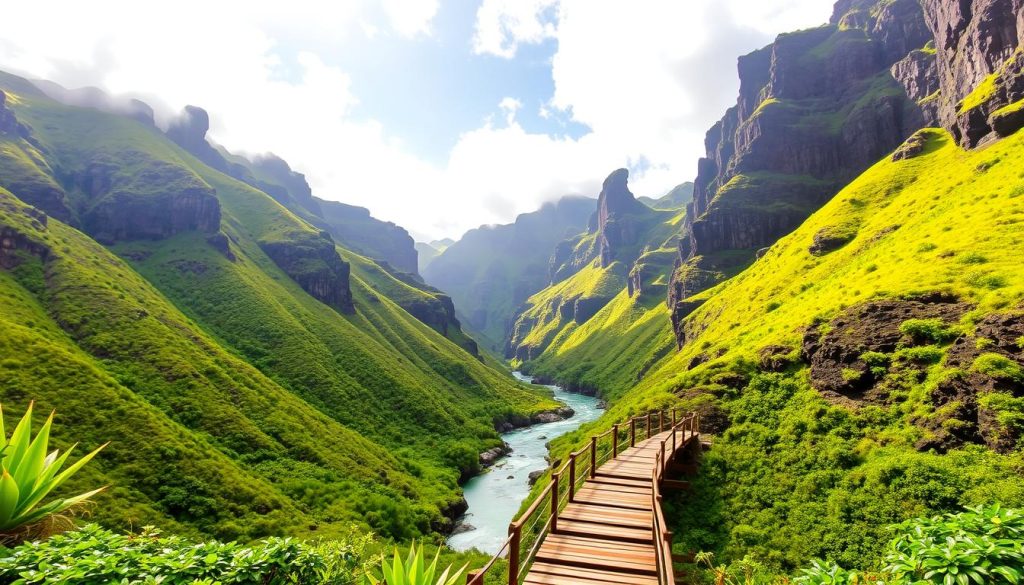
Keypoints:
(525, 527)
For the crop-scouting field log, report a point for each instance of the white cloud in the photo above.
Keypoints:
(501, 25)
(647, 77)
(410, 17)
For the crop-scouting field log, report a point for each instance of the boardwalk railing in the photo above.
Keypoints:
(527, 532)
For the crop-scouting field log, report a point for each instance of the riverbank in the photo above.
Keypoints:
(494, 497)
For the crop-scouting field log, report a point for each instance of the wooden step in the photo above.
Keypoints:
(542, 573)
(592, 530)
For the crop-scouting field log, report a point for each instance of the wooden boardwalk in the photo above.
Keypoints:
(607, 529)
(606, 533)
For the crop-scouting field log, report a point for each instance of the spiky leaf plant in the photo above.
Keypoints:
(414, 571)
(29, 474)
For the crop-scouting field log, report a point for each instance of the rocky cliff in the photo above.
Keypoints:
(979, 71)
(357, 230)
(91, 188)
(312, 261)
(620, 217)
(815, 108)
(352, 226)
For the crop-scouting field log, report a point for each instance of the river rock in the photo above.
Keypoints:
(461, 527)
(535, 475)
(488, 457)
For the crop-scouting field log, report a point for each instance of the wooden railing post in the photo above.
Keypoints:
(471, 576)
(615, 440)
(674, 432)
(632, 432)
(554, 503)
(648, 425)
(572, 476)
(593, 457)
(513, 554)
(663, 461)
(661, 421)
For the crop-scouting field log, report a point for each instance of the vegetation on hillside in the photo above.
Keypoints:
(795, 473)
(266, 411)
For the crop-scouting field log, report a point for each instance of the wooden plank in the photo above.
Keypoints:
(589, 529)
(594, 561)
(574, 546)
(605, 515)
(620, 485)
(624, 501)
(599, 542)
(556, 570)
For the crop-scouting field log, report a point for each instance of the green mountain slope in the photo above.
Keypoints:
(587, 327)
(238, 326)
(858, 380)
(491, 270)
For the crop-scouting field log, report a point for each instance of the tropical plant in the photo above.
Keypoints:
(29, 474)
(95, 555)
(822, 573)
(414, 571)
(980, 545)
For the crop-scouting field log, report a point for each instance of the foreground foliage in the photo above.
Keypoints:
(980, 545)
(414, 571)
(96, 555)
(30, 472)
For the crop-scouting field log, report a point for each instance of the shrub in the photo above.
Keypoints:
(96, 555)
(980, 545)
(928, 331)
(414, 571)
(28, 473)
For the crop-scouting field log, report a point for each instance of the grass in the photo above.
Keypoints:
(796, 477)
(984, 91)
(263, 410)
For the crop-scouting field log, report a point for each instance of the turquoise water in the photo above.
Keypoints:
(494, 497)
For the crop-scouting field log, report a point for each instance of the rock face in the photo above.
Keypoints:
(285, 183)
(839, 367)
(815, 109)
(357, 230)
(9, 124)
(157, 201)
(617, 211)
(979, 69)
(353, 227)
(312, 261)
(15, 246)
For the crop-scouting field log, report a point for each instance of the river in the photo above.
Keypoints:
(494, 497)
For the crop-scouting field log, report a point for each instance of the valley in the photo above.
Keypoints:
(293, 385)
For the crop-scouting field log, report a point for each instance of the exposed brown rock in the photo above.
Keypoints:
(974, 39)
(220, 242)
(313, 262)
(836, 355)
(775, 358)
(912, 147)
(1006, 122)
(616, 208)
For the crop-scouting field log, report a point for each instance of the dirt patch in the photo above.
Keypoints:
(839, 351)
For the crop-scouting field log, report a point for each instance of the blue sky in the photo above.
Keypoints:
(439, 115)
(409, 83)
